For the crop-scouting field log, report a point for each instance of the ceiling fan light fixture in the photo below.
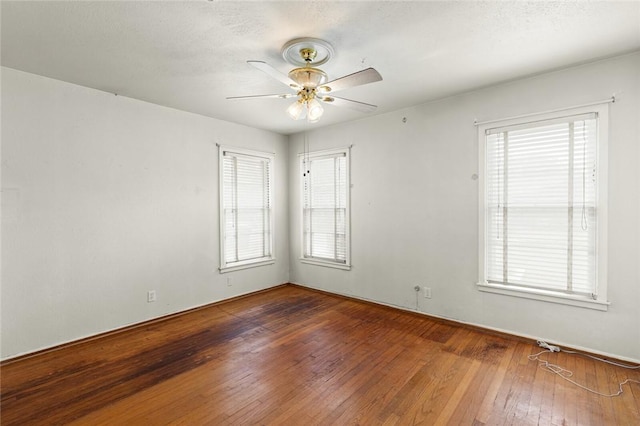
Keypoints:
(311, 84)
(315, 110)
(308, 77)
(297, 110)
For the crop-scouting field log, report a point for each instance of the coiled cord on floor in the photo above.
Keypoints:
(565, 374)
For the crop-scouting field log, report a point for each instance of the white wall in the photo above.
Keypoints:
(106, 197)
(414, 208)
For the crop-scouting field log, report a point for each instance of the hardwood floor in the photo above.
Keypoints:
(298, 357)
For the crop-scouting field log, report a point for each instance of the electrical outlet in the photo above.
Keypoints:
(151, 296)
(228, 281)
(427, 292)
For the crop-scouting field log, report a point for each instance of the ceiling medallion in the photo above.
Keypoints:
(318, 51)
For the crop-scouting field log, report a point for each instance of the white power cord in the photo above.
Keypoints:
(545, 345)
(565, 374)
(617, 364)
(553, 348)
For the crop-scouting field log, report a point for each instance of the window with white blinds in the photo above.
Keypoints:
(246, 215)
(325, 207)
(542, 205)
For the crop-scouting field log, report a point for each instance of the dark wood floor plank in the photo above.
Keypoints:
(296, 356)
(490, 403)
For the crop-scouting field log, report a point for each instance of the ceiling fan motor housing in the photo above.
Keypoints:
(308, 77)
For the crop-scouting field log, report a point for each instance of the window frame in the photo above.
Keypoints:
(321, 261)
(251, 263)
(600, 302)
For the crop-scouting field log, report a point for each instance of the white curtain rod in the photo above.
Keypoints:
(612, 99)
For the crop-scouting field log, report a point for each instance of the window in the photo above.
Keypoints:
(543, 207)
(246, 237)
(325, 208)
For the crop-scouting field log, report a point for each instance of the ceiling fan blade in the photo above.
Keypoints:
(358, 106)
(359, 78)
(285, 96)
(268, 69)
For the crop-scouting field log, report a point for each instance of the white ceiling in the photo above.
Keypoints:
(192, 55)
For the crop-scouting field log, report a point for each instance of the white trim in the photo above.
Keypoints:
(223, 268)
(315, 155)
(611, 100)
(325, 263)
(247, 152)
(326, 152)
(601, 303)
(547, 296)
(161, 317)
(475, 324)
(602, 200)
(545, 122)
(246, 265)
(221, 232)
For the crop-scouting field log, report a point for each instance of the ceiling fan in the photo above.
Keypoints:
(310, 83)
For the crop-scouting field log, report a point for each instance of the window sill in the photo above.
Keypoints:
(238, 267)
(326, 264)
(547, 296)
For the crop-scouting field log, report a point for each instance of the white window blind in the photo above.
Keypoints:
(325, 199)
(246, 208)
(541, 205)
